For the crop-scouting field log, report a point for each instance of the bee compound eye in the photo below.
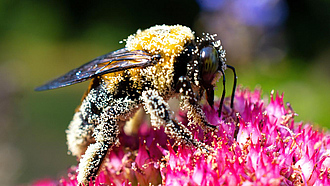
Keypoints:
(210, 59)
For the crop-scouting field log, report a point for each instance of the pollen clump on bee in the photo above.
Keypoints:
(161, 39)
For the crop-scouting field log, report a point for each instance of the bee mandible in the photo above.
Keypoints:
(155, 65)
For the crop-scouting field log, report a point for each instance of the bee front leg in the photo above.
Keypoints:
(189, 101)
(160, 114)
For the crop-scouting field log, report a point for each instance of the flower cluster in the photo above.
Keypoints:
(258, 144)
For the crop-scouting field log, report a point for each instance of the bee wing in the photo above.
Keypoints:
(112, 62)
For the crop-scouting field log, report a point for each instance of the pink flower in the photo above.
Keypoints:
(44, 182)
(258, 144)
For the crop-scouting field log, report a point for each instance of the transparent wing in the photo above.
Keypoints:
(112, 62)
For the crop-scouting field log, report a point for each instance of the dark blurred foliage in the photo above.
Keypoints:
(308, 28)
(277, 44)
(72, 19)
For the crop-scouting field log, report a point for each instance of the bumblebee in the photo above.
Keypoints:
(156, 64)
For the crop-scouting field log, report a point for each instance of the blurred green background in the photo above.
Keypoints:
(276, 45)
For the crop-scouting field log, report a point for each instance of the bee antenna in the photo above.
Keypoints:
(223, 92)
(234, 87)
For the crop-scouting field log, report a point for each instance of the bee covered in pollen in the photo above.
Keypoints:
(156, 64)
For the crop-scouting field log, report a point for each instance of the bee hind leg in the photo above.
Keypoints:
(105, 111)
(160, 114)
(106, 135)
(79, 135)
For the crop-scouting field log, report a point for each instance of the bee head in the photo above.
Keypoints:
(209, 59)
(212, 64)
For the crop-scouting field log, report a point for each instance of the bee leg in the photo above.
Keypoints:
(101, 109)
(106, 135)
(189, 101)
(79, 135)
(160, 114)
